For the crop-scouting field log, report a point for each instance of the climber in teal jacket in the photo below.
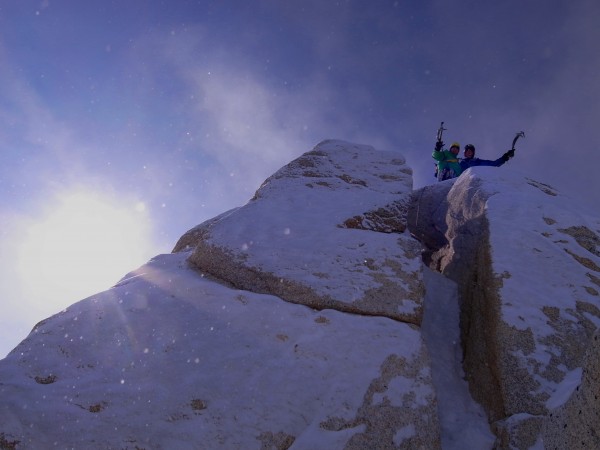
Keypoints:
(448, 164)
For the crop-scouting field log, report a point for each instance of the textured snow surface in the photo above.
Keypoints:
(463, 421)
(547, 251)
(167, 351)
(294, 230)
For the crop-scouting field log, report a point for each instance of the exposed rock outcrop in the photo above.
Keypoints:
(322, 200)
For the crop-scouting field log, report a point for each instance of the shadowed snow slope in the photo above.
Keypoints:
(168, 359)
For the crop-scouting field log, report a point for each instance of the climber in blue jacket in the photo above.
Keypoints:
(469, 159)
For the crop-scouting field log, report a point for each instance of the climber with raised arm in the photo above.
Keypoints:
(448, 164)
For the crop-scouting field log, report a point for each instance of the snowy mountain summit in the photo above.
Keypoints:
(337, 309)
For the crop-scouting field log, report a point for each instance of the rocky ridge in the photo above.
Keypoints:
(295, 321)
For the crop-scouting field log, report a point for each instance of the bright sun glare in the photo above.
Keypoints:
(82, 246)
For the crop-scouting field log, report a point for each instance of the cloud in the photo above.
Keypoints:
(239, 118)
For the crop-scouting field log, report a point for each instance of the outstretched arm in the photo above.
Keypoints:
(475, 162)
(504, 158)
(472, 162)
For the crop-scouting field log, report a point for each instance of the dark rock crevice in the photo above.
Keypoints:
(453, 229)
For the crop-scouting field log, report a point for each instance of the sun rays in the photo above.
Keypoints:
(83, 244)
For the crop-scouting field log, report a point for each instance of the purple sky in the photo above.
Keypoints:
(180, 109)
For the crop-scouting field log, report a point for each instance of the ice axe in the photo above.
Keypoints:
(509, 154)
(440, 131)
(519, 134)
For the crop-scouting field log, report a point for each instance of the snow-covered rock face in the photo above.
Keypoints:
(172, 359)
(575, 424)
(298, 321)
(302, 237)
(528, 268)
(168, 359)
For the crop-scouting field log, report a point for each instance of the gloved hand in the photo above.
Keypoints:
(509, 154)
(438, 146)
